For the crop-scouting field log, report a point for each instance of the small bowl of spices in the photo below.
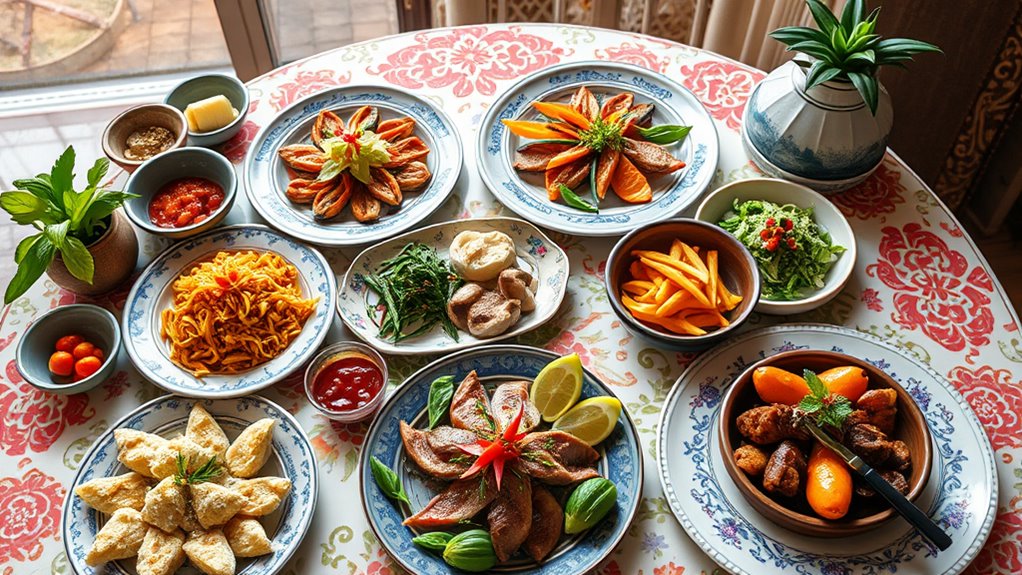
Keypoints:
(142, 132)
(347, 381)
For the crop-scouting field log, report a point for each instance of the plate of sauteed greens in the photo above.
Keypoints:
(453, 285)
(597, 148)
(502, 458)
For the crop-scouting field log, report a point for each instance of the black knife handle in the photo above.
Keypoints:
(910, 512)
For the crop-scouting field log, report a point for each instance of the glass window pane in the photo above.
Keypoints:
(300, 28)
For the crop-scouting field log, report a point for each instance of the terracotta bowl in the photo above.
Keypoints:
(795, 514)
(737, 270)
(117, 131)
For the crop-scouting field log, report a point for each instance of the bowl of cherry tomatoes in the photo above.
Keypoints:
(69, 349)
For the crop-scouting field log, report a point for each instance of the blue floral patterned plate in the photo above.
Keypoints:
(151, 294)
(266, 178)
(621, 462)
(525, 194)
(961, 494)
(537, 255)
(292, 457)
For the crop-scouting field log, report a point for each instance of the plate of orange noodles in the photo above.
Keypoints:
(228, 312)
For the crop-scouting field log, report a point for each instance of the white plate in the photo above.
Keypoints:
(524, 193)
(266, 178)
(292, 457)
(151, 294)
(960, 495)
(537, 254)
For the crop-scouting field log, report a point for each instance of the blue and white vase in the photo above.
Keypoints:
(824, 138)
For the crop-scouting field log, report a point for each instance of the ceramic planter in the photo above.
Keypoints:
(114, 253)
(824, 138)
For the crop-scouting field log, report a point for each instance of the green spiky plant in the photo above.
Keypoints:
(848, 49)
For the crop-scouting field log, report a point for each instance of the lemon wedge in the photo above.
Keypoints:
(591, 420)
(557, 387)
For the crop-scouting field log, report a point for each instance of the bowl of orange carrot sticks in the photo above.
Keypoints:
(682, 284)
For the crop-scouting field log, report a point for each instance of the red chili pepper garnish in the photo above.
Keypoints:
(496, 452)
(233, 274)
(223, 282)
(771, 222)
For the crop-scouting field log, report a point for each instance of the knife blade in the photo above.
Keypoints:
(901, 504)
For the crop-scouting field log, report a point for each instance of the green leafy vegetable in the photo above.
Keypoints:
(206, 472)
(665, 134)
(414, 287)
(440, 393)
(387, 481)
(824, 407)
(357, 154)
(798, 261)
(434, 541)
(573, 200)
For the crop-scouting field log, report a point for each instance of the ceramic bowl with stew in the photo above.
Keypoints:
(795, 513)
(165, 173)
(137, 119)
(721, 201)
(93, 323)
(347, 381)
(207, 86)
(735, 264)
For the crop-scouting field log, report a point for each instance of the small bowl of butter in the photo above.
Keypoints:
(214, 105)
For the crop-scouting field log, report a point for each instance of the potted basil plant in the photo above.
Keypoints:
(823, 118)
(84, 243)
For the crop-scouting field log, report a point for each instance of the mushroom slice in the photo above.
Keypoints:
(461, 302)
(412, 176)
(365, 207)
(520, 285)
(651, 157)
(328, 125)
(493, 314)
(618, 103)
(406, 151)
(384, 187)
(331, 200)
(304, 191)
(364, 119)
(303, 157)
(391, 130)
(585, 103)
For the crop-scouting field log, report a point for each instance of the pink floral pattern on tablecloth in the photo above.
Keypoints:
(235, 148)
(305, 83)
(29, 513)
(877, 196)
(1003, 550)
(871, 298)
(996, 399)
(634, 53)
(33, 419)
(935, 290)
(471, 59)
(723, 87)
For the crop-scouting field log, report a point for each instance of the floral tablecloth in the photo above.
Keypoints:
(919, 282)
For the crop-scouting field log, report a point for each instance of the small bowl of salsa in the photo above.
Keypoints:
(182, 192)
(347, 381)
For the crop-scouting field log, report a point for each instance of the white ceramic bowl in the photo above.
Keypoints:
(721, 200)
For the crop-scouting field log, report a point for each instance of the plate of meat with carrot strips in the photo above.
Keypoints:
(597, 148)
(353, 165)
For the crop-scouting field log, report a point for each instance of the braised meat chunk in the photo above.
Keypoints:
(751, 459)
(785, 470)
(869, 443)
(901, 458)
(769, 424)
(895, 478)
(881, 407)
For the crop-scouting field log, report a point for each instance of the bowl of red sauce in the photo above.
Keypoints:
(182, 192)
(347, 381)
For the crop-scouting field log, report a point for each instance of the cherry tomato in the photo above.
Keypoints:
(87, 366)
(68, 342)
(83, 349)
(97, 353)
(61, 363)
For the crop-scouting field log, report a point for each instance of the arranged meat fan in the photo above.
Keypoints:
(497, 461)
(365, 163)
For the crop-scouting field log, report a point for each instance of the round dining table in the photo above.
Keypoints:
(919, 283)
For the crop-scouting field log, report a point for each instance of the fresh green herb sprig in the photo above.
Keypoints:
(388, 481)
(414, 287)
(800, 258)
(440, 393)
(824, 407)
(665, 134)
(434, 540)
(575, 201)
(602, 134)
(206, 472)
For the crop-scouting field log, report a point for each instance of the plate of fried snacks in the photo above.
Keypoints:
(453, 285)
(597, 148)
(960, 492)
(228, 312)
(501, 457)
(192, 486)
(353, 165)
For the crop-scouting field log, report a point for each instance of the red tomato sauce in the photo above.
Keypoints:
(185, 202)
(347, 383)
